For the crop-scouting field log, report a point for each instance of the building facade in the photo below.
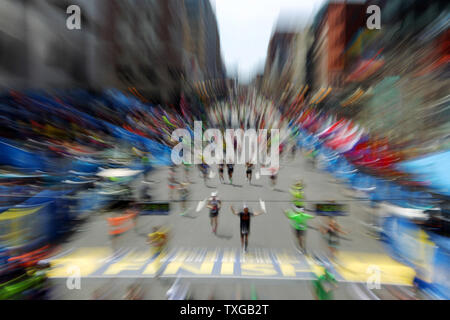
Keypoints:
(333, 29)
(39, 52)
(151, 47)
(285, 70)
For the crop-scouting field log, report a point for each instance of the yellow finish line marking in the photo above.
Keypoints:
(351, 266)
(360, 267)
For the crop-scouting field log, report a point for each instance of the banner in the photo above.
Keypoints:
(427, 253)
(331, 209)
(155, 208)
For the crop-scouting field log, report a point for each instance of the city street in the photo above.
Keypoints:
(195, 254)
(123, 120)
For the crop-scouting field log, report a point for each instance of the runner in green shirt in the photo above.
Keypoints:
(299, 221)
(323, 286)
(297, 191)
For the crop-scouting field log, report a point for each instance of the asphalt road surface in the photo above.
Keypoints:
(271, 239)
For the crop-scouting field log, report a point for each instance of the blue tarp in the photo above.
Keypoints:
(433, 168)
(45, 196)
(89, 201)
(426, 252)
(159, 151)
(84, 166)
(11, 155)
(44, 225)
(14, 194)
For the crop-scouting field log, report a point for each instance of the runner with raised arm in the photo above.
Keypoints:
(244, 216)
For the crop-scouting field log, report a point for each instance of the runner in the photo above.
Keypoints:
(205, 170)
(249, 166)
(324, 285)
(281, 149)
(332, 231)
(244, 216)
(312, 156)
(172, 181)
(298, 185)
(299, 221)
(187, 168)
(298, 193)
(273, 177)
(294, 150)
(221, 168)
(158, 239)
(230, 167)
(214, 205)
(184, 194)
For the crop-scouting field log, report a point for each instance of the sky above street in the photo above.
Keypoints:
(245, 28)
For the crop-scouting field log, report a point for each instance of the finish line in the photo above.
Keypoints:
(220, 263)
